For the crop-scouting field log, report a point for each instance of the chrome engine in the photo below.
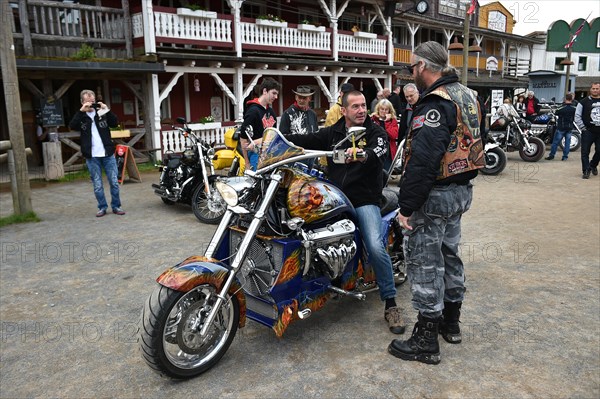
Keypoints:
(333, 246)
(537, 129)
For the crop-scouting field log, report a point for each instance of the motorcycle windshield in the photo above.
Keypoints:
(276, 148)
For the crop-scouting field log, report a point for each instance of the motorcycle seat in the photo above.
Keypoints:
(389, 200)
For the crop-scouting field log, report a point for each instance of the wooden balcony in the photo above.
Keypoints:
(59, 29)
(271, 36)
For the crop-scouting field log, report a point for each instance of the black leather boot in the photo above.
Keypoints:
(423, 345)
(449, 327)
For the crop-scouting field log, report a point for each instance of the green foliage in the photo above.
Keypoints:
(25, 218)
(207, 119)
(270, 17)
(84, 53)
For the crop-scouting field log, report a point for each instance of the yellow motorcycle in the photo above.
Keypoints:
(231, 156)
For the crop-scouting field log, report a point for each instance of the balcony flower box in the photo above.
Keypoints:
(274, 24)
(204, 126)
(365, 35)
(186, 12)
(311, 28)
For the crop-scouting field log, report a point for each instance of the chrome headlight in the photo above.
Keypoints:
(232, 187)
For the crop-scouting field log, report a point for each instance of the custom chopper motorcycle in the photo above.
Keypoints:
(189, 178)
(511, 133)
(287, 242)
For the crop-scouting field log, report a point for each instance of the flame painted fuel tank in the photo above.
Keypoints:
(312, 199)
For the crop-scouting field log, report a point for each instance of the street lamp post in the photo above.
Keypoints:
(465, 70)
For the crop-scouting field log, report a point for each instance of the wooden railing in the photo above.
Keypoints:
(59, 23)
(286, 39)
(362, 46)
(173, 141)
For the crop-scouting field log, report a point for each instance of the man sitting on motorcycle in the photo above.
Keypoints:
(361, 179)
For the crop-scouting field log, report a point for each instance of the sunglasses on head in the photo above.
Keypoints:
(411, 68)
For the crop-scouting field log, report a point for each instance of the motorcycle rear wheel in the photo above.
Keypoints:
(170, 340)
(575, 141)
(535, 152)
(208, 209)
(495, 161)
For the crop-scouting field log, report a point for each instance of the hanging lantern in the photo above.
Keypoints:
(196, 83)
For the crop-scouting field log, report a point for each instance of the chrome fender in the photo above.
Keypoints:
(197, 270)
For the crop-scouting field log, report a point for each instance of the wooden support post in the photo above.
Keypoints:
(53, 164)
(10, 80)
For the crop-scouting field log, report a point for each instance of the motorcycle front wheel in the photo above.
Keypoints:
(495, 161)
(575, 141)
(535, 152)
(170, 339)
(208, 208)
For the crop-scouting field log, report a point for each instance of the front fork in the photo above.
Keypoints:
(240, 255)
(204, 171)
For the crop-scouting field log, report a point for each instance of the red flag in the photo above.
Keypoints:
(472, 8)
(574, 36)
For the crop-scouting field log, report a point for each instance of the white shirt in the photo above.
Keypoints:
(97, 144)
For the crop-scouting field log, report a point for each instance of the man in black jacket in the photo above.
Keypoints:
(443, 153)
(587, 117)
(93, 121)
(361, 179)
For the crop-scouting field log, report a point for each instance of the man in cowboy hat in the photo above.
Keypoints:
(299, 118)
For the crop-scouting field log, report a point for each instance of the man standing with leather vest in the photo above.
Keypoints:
(443, 153)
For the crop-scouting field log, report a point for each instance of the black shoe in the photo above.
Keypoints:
(595, 171)
(422, 346)
(550, 157)
(449, 327)
(564, 158)
(586, 174)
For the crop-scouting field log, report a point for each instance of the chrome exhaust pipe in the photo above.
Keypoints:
(355, 295)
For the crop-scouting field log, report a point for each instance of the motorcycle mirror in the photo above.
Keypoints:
(553, 99)
(181, 120)
(354, 133)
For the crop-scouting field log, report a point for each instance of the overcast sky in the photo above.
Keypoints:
(537, 15)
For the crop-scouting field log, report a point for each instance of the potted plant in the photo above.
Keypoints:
(271, 20)
(194, 10)
(205, 123)
(307, 25)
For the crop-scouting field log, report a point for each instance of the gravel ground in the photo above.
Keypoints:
(72, 287)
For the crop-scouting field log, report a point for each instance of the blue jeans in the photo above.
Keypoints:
(369, 223)
(557, 139)
(587, 139)
(109, 164)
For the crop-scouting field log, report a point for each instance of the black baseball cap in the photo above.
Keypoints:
(346, 88)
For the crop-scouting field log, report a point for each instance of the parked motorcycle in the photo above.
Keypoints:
(287, 242)
(231, 156)
(495, 159)
(511, 133)
(544, 127)
(189, 178)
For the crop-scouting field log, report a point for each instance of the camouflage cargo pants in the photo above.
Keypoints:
(435, 270)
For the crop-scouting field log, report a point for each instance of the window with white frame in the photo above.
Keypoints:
(557, 64)
(582, 64)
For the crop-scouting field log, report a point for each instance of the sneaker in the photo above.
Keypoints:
(100, 213)
(586, 174)
(550, 157)
(564, 158)
(393, 316)
(595, 171)
(118, 211)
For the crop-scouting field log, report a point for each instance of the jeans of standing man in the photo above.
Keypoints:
(558, 136)
(369, 223)
(109, 164)
(431, 249)
(587, 139)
